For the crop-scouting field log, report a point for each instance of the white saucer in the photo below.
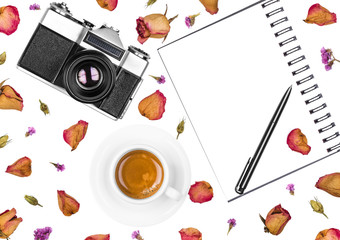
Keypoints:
(142, 214)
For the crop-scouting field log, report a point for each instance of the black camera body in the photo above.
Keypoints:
(91, 65)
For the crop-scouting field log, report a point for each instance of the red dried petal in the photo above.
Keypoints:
(67, 204)
(74, 134)
(108, 4)
(201, 192)
(153, 106)
(329, 234)
(320, 15)
(190, 234)
(211, 6)
(21, 168)
(9, 19)
(297, 142)
(99, 237)
(330, 183)
(10, 99)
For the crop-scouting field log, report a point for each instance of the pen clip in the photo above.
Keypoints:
(239, 188)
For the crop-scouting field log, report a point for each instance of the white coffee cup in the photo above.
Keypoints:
(165, 188)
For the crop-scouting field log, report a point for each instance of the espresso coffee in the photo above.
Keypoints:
(139, 174)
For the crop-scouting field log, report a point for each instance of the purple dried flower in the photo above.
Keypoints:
(30, 132)
(291, 188)
(59, 167)
(35, 7)
(160, 79)
(136, 235)
(190, 20)
(42, 233)
(232, 223)
(327, 58)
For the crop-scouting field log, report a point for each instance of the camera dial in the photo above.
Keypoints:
(88, 24)
(61, 8)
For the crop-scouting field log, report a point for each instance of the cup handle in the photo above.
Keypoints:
(173, 194)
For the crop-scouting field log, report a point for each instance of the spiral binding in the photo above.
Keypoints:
(310, 91)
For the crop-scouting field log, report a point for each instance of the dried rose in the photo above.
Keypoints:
(190, 234)
(211, 6)
(317, 206)
(44, 108)
(9, 98)
(108, 4)
(297, 142)
(153, 26)
(201, 192)
(330, 183)
(67, 204)
(21, 168)
(276, 220)
(320, 15)
(8, 223)
(329, 234)
(4, 141)
(9, 19)
(32, 200)
(99, 237)
(2, 58)
(153, 106)
(74, 134)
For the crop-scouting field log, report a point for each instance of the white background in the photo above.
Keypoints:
(47, 144)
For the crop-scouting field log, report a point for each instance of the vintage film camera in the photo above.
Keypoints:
(90, 64)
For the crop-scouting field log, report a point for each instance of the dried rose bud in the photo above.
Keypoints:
(9, 98)
(153, 106)
(276, 220)
(67, 204)
(320, 15)
(201, 192)
(32, 200)
(3, 58)
(211, 6)
(329, 234)
(317, 206)
(4, 141)
(8, 223)
(44, 108)
(108, 4)
(297, 142)
(153, 26)
(74, 134)
(9, 19)
(180, 128)
(330, 183)
(21, 168)
(99, 237)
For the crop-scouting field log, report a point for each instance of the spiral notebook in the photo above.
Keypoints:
(230, 77)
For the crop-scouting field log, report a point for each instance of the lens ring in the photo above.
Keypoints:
(94, 92)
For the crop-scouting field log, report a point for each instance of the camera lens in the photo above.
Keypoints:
(89, 76)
